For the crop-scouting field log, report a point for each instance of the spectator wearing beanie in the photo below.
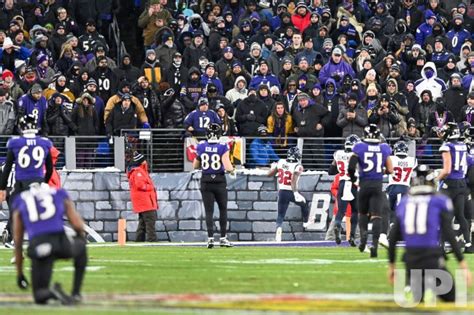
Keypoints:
(196, 50)
(252, 62)
(215, 99)
(77, 13)
(10, 85)
(58, 117)
(385, 117)
(175, 74)
(100, 50)
(7, 115)
(126, 70)
(336, 68)
(33, 102)
(122, 116)
(237, 70)
(166, 50)
(10, 53)
(449, 69)
(126, 88)
(224, 64)
(410, 14)
(251, 113)
(209, 76)
(458, 31)
(425, 29)
(147, 96)
(44, 72)
(193, 122)
(455, 97)
(59, 86)
(229, 128)
(352, 117)
(106, 79)
(264, 76)
(99, 105)
(151, 69)
(28, 79)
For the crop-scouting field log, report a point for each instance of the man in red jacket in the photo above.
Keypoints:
(144, 198)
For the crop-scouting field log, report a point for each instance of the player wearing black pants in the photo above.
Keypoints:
(213, 188)
(213, 159)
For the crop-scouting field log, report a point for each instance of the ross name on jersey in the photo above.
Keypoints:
(373, 148)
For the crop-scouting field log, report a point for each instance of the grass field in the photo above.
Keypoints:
(195, 280)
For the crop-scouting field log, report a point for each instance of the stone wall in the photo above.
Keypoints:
(103, 198)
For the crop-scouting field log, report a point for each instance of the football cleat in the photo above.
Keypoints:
(77, 298)
(373, 252)
(352, 242)
(278, 233)
(210, 243)
(224, 242)
(60, 295)
(469, 249)
(383, 241)
(337, 234)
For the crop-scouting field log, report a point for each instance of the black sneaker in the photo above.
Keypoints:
(210, 243)
(337, 235)
(362, 246)
(373, 252)
(352, 242)
(60, 295)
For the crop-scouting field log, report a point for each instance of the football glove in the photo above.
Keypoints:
(299, 197)
(22, 282)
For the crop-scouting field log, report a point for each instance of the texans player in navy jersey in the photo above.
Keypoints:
(452, 176)
(39, 212)
(423, 220)
(213, 159)
(372, 157)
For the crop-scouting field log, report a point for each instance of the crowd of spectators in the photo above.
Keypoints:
(282, 68)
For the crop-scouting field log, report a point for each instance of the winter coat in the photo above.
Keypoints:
(116, 99)
(151, 104)
(335, 71)
(148, 24)
(128, 73)
(433, 84)
(234, 95)
(268, 79)
(175, 76)
(58, 119)
(305, 120)
(26, 106)
(386, 122)
(142, 189)
(192, 54)
(153, 72)
(355, 126)
(7, 118)
(107, 82)
(55, 180)
(301, 22)
(172, 111)
(119, 119)
(248, 125)
(88, 125)
(455, 98)
(165, 54)
(280, 128)
(205, 80)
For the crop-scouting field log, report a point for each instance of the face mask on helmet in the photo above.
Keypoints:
(293, 155)
(401, 149)
(28, 124)
(350, 142)
(213, 133)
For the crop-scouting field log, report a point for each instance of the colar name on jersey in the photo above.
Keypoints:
(211, 149)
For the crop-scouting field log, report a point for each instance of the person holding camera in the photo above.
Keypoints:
(385, 116)
(352, 118)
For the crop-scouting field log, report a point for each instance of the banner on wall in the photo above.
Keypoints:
(236, 147)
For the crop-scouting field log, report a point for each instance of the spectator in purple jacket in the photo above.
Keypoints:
(33, 103)
(336, 68)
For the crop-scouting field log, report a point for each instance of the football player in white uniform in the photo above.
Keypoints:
(398, 183)
(288, 171)
(347, 191)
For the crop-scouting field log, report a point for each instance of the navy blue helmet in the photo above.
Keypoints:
(400, 149)
(350, 142)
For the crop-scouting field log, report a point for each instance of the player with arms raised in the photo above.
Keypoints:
(398, 182)
(213, 159)
(452, 176)
(347, 190)
(372, 157)
(423, 220)
(288, 171)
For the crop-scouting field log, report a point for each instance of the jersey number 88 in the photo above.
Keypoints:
(212, 161)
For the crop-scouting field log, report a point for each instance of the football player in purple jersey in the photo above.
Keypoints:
(452, 176)
(39, 212)
(373, 159)
(423, 222)
(213, 159)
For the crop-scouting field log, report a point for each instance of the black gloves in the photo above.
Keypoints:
(22, 282)
(251, 117)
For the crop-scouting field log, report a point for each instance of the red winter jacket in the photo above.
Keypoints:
(301, 22)
(142, 189)
(55, 180)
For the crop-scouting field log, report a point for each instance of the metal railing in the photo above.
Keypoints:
(166, 151)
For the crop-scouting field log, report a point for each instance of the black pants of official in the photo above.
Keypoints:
(146, 226)
(457, 191)
(342, 207)
(42, 262)
(426, 259)
(214, 189)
